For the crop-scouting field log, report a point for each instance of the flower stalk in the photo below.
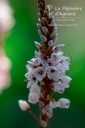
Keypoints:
(30, 111)
(46, 70)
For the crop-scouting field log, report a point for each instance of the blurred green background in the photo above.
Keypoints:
(20, 47)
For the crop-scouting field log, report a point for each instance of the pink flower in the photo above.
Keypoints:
(6, 19)
(5, 65)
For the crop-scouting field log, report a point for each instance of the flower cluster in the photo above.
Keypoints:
(46, 70)
(54, 68)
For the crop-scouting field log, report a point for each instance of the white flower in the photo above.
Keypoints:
(29, 84)
(40, 73)
(37, 61)
(58, 47)
(47, 110)
(53, 73)
(64, 61)
(51, 62)
(64, 103)
(27, 74)
(24, 105)
(44, 63)
(33, 97)
(61, 103)
(54, 104)
(43, 124)
(58, 88)
(35, 89)
(31, 78)
(56, 56)
(30, 65)
(64, 81)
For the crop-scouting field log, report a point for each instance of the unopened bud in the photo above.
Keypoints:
(50, 43)
(24, 106)
(45, 30)
(38, 45)
(43, 38)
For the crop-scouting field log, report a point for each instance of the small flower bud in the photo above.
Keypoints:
(36, 54)
(60, 46)
(43, 38)
(53, 34)
(64, 103)
(55, 37)
(24, 106)
(39, 25)
(50, 43)
(39, 19)
(48, 7)
(40, 33)
(38, 14)
(55, 28)
(33, 98)
(41, 104)
(52, 22)
(43, 123)
(45, 12)
(44, 29)
(44, 20)
(38, 45)
(54, 56)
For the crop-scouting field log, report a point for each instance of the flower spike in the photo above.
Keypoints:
(46, 71)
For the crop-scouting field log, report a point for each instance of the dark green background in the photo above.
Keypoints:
(20, 47)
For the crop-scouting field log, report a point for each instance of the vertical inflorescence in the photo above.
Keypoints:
(46, 71)
(47, 28)
(6, 23)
